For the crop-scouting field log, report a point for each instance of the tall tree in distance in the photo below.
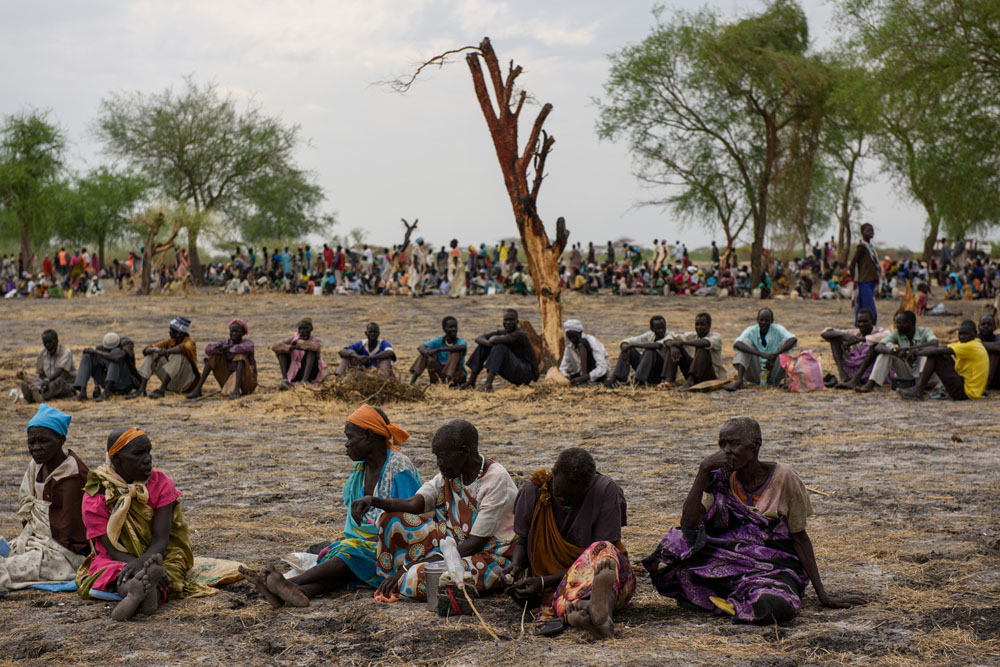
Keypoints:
(101, 205)
(31, 162)
(198, 148)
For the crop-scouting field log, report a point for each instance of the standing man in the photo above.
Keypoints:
(865, 269)
(328, 257)
(456, 271)
(338, 266)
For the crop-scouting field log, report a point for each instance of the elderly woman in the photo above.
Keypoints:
(53, 541)
(742, 548)
(569, 525)
(381, 471)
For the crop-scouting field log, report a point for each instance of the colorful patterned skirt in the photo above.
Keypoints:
(579, 580)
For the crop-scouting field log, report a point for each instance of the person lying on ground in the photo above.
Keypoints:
(141, 548)
(231, 362)
(703, 362)
(471, 500)
(742, 547)
(764, 341)
(367, 353)
(112, 367)
(895, 352)
(443, 356)
(988, 337)
(53, 540)
(506, 352)
(568, 524)
(853, 350)
(54, 371)
(300, 356)
(381, 471)
(963, 368)
(174, 360)
(584, 358)
(643, 354)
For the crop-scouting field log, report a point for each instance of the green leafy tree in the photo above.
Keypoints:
(281, 205)
(198, 148)
(100, 207)
(31, 163)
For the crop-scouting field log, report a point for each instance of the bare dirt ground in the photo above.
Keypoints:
(908, 513)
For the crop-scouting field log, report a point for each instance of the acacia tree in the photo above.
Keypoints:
(196, 147)
(523, 171)
(100, 206)
(31, 161)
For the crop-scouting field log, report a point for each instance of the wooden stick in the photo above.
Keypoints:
(822, 493)
(476, 612)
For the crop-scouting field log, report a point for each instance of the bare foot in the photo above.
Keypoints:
(135, 592)
(486, 388)
(603, 598)
(735, 386)
(259, 582)
(82, 396)
(103, 397)
(153, 572)
(578, 616)
(286, 385)
(284, 589)
(194, 393)
(866, 387)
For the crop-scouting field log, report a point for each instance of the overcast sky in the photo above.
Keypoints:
(381, 156)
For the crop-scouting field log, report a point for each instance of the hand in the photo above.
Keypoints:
(675, 354)
(360, 507)
(513, 572)
(530, 587)
(391, 583)
(714, 462)
(131, 569)
(846, 602)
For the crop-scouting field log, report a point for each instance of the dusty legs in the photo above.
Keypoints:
(141, 592)
(594, 615)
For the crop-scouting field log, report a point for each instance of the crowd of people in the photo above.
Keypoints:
(117, 531)
(416, 269)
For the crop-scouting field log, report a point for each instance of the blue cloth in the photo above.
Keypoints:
(50, 418)
(776, 335)
(399, 478)
(866, 299)
(361, 347)
(286, 263)
(64, 587)
(442, 357)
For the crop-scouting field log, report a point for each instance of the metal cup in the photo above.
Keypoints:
(432, 577)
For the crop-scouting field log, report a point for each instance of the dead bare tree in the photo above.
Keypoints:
(406, 238)
(155, 250)
(502, 120)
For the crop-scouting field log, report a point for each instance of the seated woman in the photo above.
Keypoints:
(471, 499)
(300, 356)
(382, 471)
(569, 527)
(53, 541)
(141, 548)
(742, 548)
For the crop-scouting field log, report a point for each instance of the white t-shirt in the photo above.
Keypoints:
(494, 494)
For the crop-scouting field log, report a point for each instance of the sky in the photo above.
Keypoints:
(381, 156)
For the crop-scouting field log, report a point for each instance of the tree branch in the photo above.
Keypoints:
(402, 85)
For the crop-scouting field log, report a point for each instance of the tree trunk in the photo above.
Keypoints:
(100, 249)
(933, 227)
(25, 243)
(147, 262)
(844, 218)
(763, 191)
(194, 268)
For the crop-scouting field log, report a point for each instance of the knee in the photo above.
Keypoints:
(773, 608)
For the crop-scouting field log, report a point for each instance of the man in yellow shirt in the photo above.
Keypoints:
(962, 367)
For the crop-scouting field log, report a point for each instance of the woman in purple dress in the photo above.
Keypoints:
(742, 548)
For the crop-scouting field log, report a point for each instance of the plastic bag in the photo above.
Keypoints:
(804, 370)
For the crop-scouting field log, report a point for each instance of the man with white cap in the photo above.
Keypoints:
(174, 360)
(584, 357)
(112, 366)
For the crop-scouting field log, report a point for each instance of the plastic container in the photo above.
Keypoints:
(432, 577)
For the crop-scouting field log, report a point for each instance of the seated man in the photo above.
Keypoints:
(854, 349)
(988, 337)
(703, 362)
(742, 546)
(141, 546)
(300, 356)
(53, 540)
(443, 356)
(644, 354)
(963, 367)
(374, 352)
(380, 470)
(568, 524)
(232, 362)
(174, 360)
(894, 353)
(764, 340)
(54, 371)
(584, 357)
(470, 500)
(112, 366)
(507, 352)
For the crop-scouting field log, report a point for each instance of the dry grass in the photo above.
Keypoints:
(909, 518)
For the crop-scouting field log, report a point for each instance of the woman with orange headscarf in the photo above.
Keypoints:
(382, 471)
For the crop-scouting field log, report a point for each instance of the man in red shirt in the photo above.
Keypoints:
(47, 266)
(327, 256)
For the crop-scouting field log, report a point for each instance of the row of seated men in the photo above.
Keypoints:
(554, 545)
(865, 356)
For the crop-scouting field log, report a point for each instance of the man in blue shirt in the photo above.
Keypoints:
(761, 342)
(371, 353)
(443, 357)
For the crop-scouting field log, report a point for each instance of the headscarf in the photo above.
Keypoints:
(111, 340)
(573, 325)
(180, 324)
(367, 417)
(50, 418)
(236, 320)
(128, 436)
